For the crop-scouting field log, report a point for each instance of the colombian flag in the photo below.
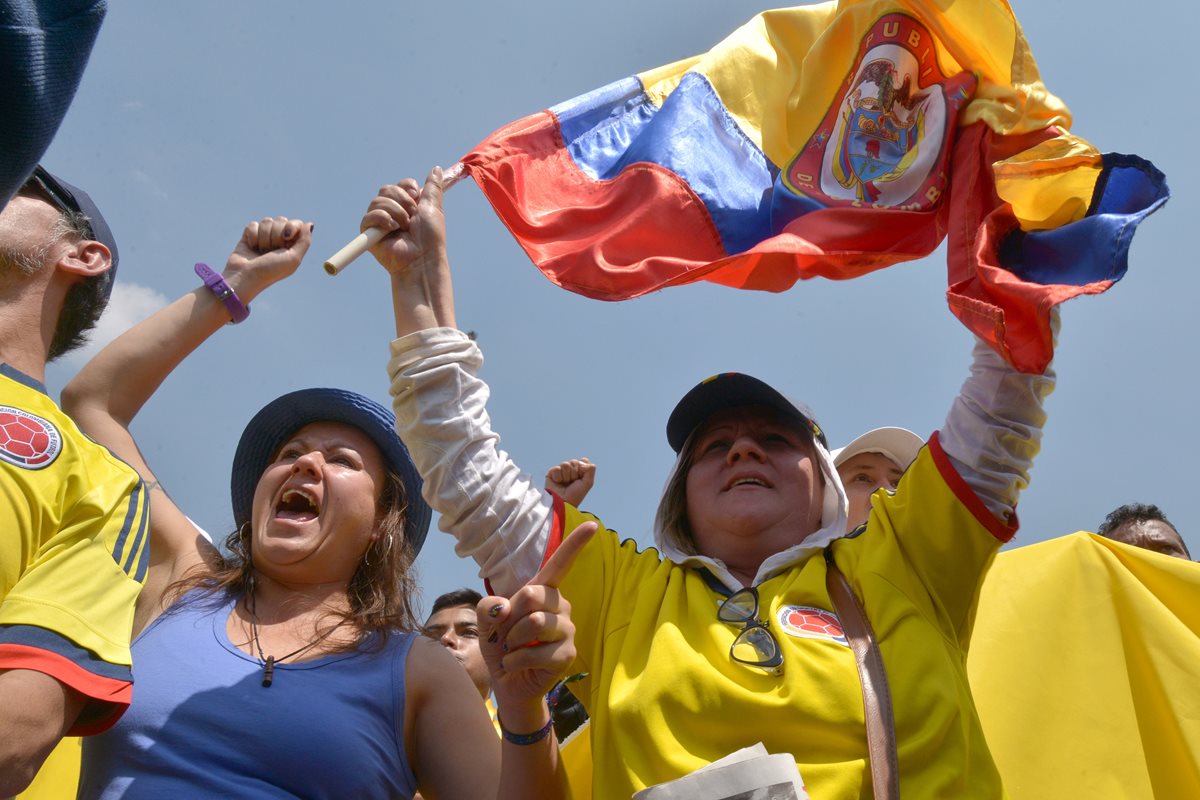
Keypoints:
(830, 140)
(1083, 667)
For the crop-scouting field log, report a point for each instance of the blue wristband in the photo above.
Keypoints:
(526, 738)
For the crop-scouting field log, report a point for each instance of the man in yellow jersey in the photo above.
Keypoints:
(73, 518)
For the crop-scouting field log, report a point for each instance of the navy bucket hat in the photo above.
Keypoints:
(66, 197)
(278, 420)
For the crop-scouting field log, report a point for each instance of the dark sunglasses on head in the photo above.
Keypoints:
(49, 192)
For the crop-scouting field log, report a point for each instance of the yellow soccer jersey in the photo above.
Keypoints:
(74, 550)
(493, 713)
(666, 698)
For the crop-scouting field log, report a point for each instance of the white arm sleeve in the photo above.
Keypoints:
(994, 428)
(499, 516)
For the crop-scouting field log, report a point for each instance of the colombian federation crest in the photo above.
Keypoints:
(806, 622)
(885, 141)
(27, 440)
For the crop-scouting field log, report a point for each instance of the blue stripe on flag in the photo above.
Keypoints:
(1095, 248)
(692, 135)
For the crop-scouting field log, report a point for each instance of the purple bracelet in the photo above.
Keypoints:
(213, 281)
(526, 738)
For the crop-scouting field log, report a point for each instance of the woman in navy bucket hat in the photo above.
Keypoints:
(290, 665)
(271, 426)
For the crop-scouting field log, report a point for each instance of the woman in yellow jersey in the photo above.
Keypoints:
(291, 665)
(725, 634)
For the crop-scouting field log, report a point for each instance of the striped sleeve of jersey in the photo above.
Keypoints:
(82, 582)
(74, 550)
(109, 687)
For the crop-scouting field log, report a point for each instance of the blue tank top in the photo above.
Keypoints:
(202, 725)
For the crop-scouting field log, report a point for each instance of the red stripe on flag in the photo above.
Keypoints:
(590, 236)
(1010, 314)
(835, 243)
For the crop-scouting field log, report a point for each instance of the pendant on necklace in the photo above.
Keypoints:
(268, 671)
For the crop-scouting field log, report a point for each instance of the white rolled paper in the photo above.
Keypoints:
(357, 246)
(363, 242)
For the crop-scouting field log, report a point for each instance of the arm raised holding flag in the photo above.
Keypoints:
(725, 634)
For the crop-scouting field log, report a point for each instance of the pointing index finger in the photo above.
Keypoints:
(554, 570)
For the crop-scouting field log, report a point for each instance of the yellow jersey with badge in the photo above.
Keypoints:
(666, 698)
(74, 550)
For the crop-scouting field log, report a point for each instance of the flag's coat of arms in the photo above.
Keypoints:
(885, 139)
(27, 440)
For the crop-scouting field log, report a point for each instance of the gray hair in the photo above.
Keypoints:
(68, 224)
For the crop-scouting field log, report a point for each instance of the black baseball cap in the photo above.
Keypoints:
(66, 197)
(732, 390)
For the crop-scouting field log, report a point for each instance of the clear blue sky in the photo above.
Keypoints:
(195, 118)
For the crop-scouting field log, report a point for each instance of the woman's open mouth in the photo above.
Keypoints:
(298, 505)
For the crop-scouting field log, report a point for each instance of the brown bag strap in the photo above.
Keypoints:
(877, 699)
